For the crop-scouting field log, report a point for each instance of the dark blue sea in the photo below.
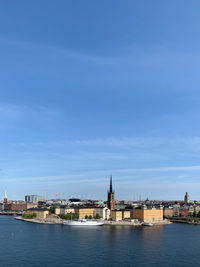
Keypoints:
(30, 244)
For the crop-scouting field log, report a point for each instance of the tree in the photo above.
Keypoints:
(29, 215)
(195, 214)
(52, 209)
(198, 215)
(90, 217)
(86, 216)
(97, 216)
(190, 214)
(69, 216)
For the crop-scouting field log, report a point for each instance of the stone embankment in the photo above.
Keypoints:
(41, 221)
(133, 223)
(185, 220)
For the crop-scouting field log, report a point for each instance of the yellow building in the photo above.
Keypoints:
(40, 213)
(168, 212)
(82, 212)
(63, 211)
(116, 215)
(145, 214)
(126, 214)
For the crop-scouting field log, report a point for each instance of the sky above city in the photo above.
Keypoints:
(90, 88)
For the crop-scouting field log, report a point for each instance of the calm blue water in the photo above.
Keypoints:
(29, 244)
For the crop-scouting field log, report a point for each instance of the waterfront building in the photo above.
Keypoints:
(64, 210)
(126, 214)
(104, 213)
(33, 198)
(168, 212)
(116, 215)
(111, 197)
(40, 213)
(82, 212)
(119, 215)
(18, 206)
(147, 214)
(187, 198)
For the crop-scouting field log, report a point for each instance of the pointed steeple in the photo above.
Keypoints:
(111, 183)
(5, 195)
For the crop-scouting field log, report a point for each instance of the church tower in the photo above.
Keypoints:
(187, 198)
(111, 197)
(5, 198)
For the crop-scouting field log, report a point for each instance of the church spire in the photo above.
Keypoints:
(111, 196)
(111, 184)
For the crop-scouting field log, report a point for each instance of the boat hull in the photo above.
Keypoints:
(83, 222)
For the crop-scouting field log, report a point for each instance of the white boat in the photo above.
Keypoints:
(83, 222)
(147, 224)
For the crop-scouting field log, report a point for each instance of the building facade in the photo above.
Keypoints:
(145, 214)
(19, 206)
(116, 215)
(82, 212)
(64, 210)
(104, 213)
(40, 213)
(33, 198)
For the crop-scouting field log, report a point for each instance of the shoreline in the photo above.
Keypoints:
(184, 221)
(107, 223)
(40, 221)
(129, 223)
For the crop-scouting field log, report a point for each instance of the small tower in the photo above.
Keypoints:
(5, 198)
(111, 197)
(187, 198)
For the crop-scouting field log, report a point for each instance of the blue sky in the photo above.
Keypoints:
(90, 88)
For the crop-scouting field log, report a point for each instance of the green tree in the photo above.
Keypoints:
(97, 216)
(198, 215)
(69, 216)
(52, 209)
(190, 214)
(90, 217)
(29, 215)
(195, 214)
(86, 216)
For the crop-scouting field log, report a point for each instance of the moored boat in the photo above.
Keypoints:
(147, 224)
(83, 222)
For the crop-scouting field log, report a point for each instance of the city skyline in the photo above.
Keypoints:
(113, 89)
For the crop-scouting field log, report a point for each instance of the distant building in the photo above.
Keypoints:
(18, 206)
(168, 212)
(104, 213)
(119, 215)
(111, 197)
(33, 198)
(183, 212)
(81, 212)
(64, 210)
(40, 213)
(145, 214)
(187, 198)
(116, 215)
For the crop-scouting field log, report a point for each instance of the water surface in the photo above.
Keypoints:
(30, 244)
